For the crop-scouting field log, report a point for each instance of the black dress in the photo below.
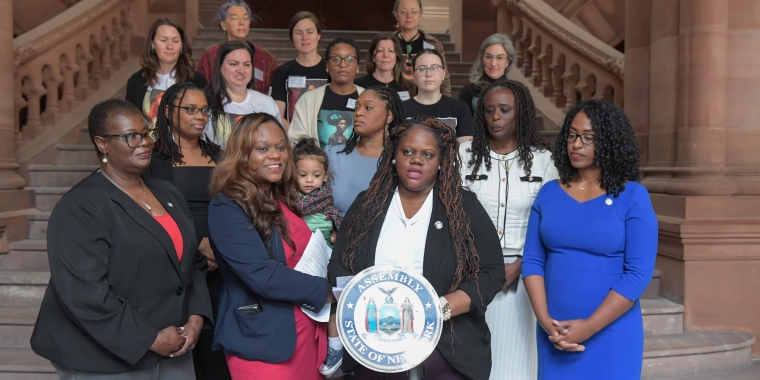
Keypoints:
(193, 183)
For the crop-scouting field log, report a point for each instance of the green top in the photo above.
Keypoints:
(318, 222)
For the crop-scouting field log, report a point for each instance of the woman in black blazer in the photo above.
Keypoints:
(183, 156)
(166, 60)
(418, 175)
(127, 294)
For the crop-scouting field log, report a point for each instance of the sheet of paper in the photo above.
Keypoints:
(341, 283)
(315, 256)
(322, 316)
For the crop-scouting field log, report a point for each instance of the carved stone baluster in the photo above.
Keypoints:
(588, 88)
(517, 38)
(546, 80)
(558, 69)
(19, 103)
(115, 48)
(528, 56)
(68, 100)
(33, 91)
(126, 27)
(535, 51)
(95, 66)
(570, 80)
(83, 81)
(51, 78)
(105, 55)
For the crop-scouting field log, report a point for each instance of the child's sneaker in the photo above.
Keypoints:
(332, 361)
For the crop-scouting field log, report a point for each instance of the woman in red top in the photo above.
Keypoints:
(235, 21)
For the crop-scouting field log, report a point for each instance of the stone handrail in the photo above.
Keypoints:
(564, 62)
(66, 59)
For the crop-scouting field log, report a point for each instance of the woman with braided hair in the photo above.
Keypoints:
(506, 163)
(416, 214)
(353, 163)
(184, 156)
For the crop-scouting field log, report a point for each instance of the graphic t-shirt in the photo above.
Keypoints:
(452, 112)
(292, 80)
(254, 102)
(336, 117)
(369, 80)
(154, 94)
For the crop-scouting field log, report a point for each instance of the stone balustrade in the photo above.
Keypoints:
(564, 62)
(63, 61)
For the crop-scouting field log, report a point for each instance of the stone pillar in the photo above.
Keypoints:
(9, 179)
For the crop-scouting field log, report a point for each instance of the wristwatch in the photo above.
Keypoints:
(445, 309)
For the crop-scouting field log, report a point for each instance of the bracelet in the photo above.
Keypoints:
(445, 309)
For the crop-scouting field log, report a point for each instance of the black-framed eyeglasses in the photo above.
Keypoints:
(134, 140)
(585, 139)
(195, 110)
(335, 60)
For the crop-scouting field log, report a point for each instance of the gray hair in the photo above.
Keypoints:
(221, 13)
(477, 73)
(398, 2)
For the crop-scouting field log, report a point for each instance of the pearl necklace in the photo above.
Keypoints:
(145, 204)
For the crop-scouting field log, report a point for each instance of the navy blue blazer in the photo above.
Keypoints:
(250, 275)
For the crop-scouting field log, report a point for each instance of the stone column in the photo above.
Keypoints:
(9, 179)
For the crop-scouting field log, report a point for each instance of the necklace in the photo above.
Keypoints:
(145, 204)
(409, 47)
(584, 188)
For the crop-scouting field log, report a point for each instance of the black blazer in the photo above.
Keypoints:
(137, 87)
(470, 352)
(115, 280)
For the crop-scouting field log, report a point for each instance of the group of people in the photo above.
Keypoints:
(176, 259)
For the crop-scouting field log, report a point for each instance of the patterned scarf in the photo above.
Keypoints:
(320, 201)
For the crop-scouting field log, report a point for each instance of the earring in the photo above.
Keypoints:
(439, 167)
(105, 158)
(393, 161)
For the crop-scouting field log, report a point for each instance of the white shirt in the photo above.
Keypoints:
(254, 102)
(163, 81)
(402, 240)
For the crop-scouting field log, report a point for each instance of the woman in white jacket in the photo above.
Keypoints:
(317, 110)
(506, 163)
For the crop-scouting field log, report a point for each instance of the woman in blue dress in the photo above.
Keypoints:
(590, 250)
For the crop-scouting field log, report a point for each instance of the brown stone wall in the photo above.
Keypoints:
(478, 22)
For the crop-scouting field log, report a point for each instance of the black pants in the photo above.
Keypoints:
(210, 365)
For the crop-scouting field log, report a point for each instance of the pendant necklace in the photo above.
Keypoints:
(145, 204)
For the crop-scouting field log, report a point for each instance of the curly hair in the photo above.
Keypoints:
(184, 68)
(525, 127)
(616, 153)
(393, 104)
(383, 183)
(165, 124)
(234, 177)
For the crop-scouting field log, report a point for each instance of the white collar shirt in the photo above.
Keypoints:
(402, 240)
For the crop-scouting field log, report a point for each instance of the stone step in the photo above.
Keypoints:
(21, 363)
(16, 325)
(45, 198)
(661, 316)
(290, 53)
(653, 289)
(58, 175)
(327, 35)
(38, 225)
(26, 255)
(201, 42)
(22, 288)
(751, 372)
(76, 154)
(695, 353)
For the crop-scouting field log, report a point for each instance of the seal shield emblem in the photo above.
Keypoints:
(389, 318)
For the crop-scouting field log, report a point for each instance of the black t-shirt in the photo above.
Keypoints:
(369, 80)
(292, 80)
(450, 111)
(336, 117)
(469, 94)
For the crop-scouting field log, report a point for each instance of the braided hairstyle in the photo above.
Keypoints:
(166, 146)
(393, 104)
(449, 180)
(525, 127)
(617, 152)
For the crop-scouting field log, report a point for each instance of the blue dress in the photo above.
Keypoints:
(584, 250)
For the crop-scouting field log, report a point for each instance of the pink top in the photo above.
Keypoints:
(172, 229)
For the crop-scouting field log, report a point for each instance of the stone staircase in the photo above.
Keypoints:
(669, 351)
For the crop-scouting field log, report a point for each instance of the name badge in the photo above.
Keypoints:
(427, 45)
(296, 82)
(258, 74)
(404, 95)
(351, 104)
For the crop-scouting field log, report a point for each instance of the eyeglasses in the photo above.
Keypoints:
(435, 69)
(585, 139)
(498, 58)
(195, 110)
(413, 12)
(134, 140)
(336, 61)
